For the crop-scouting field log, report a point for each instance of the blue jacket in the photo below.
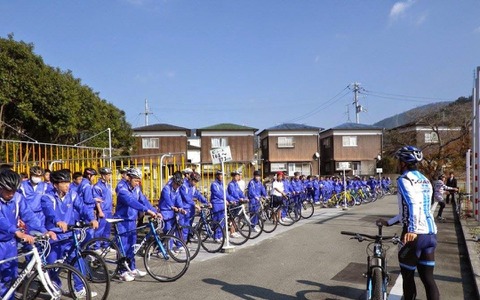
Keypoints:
(297, 185)
(188, 192)
(234, 191)
(168, 199)
(103, 191)
(216, 193)
(32, 194)
(84, 191)
(11, 211)
(130, 201)
(68, 210)
(256, 189)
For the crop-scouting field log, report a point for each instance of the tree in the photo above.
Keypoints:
(51, 105)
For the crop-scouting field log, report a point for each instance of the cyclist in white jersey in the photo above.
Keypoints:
(419, 230)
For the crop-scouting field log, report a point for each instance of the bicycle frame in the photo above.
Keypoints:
(35, 263)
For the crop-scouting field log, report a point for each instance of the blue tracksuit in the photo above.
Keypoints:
(33, 195)
(130, 201)
(188, 194)
(102, 190)
(169, 198)
(216, 199)
(10, 212)
(255, 191)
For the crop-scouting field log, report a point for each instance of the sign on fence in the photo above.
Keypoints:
(220, 155)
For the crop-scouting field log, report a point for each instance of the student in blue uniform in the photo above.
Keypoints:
(33, 189)
(170, 201)
(131, 201)
(102, 191)
(188, 193)
(256, 190)
(12, 207)
(61, 208)
(216, 199)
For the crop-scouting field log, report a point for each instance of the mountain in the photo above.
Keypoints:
(411, 115)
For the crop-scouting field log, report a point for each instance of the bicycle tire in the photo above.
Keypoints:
(207, 233)
(193, 241)
(167, 262)
(307, 209)
(97, 273)
(377, 284)
(34, 288)
(253, 234)
(111, 254)
(269, 219)
(242, 227)
(294, 212)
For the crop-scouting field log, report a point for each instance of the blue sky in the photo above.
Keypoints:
(256, 63)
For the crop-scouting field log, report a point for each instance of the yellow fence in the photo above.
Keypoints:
(23, 155)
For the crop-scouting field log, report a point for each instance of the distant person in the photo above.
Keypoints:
(419, 235)
(439, 189)
(451, 182)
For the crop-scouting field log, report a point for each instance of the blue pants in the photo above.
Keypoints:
(218, 213)
(58, 251)
(8, 270)
(128, 237)
(253, 207)
(104, 228)
(187, 220)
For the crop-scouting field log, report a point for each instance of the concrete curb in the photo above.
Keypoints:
(471, 244)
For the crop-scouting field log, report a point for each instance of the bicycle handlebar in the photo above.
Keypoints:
(362, 236)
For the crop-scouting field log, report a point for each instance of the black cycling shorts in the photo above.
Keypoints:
(277, 201)
(420, 251)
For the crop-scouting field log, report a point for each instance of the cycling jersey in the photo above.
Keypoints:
(414, 198)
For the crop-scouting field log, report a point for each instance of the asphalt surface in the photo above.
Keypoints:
(309, 260)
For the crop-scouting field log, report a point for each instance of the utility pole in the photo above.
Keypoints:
(358, 108)
(147, 112)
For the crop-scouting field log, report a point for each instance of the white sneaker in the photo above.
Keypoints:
(99, 251)
(255, 229)
(218, 241)
(83, 293)
(138, 273)
(125, 276)
(235, 235)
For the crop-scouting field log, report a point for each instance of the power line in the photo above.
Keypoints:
(403, 97)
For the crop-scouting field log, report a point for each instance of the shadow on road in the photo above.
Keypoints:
(323, 291)
(247, 291)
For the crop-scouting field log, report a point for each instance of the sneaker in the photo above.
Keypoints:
(218, 241)
(317, 203)
(235, 235)
(138, 273)
(83, 294)
(255, 229)
(125, 276)
(98, 251)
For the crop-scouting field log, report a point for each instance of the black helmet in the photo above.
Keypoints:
(195, 176)
(104, 171)
(89, 171)
(60, 176)
(36, 171)
(177, 178)
(9, 180)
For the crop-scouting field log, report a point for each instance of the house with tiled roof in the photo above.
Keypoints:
(152, 141)
(356, 145)
(290, 147)
(240, 138)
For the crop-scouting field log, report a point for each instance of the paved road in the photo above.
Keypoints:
(309, 260)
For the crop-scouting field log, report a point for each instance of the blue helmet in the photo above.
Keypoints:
(409, 154)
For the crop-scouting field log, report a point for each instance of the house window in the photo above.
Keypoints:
(219, 142)
(431, 138)
(285, 142)
(150, 143)
(326, 143)
(349, 141)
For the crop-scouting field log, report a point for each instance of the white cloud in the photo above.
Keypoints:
(399, 9)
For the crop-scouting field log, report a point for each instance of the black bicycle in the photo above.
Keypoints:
(377, 273)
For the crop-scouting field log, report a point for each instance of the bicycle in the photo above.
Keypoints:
(239, 225)
(37, 277)
(461, 208)
(166, 257)
(268, 216)
(307, 208)
(206, 228)
(341, 199)
(289, 210)
(192, 240)
(377, 272)
(88, 262)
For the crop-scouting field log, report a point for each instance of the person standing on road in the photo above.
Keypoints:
(451, 182)
(256, 191)
(419, 235)
(439, 188)
(278, 193)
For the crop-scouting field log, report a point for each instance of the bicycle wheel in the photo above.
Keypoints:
(193, 241)
(65, 281)
(241, 230)
(294, 211)
(107, 249)
(377, 284)
(167, 261)
(207, 232)
(95, 270)
(269, 220)
(307, 209)
(257, 230)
